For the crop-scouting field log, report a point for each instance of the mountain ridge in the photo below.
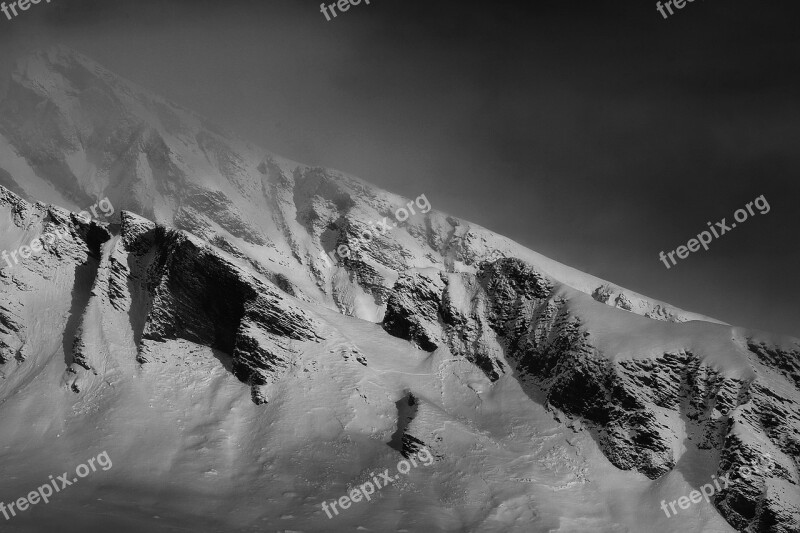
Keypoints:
(204, 208)
(210, 317)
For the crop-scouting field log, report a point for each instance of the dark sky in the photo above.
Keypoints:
(596, 133)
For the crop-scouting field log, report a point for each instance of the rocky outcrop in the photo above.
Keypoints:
(401, 440)
(196, 294)
(12, 331)
(616, 297)
(64, 242)
(632, 405)
(413, 310)
(234, 281)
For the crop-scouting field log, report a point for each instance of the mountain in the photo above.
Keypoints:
(248, 337)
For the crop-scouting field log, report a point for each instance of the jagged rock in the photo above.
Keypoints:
(246, 283)
(412, 310)
(198, 295)
(621, 399)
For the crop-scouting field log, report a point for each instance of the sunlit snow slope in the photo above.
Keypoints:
(238, 376)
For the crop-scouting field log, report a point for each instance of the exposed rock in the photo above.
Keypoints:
(412, 310)
(199, 296)
(253, 246)
(626, 401)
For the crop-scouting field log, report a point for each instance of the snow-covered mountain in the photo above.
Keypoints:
(244, 353)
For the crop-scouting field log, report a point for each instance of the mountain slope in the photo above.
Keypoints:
(72, 132)
(239, 374)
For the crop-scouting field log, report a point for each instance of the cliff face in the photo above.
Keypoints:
(170, 284)
(222, 274)
(641, 410)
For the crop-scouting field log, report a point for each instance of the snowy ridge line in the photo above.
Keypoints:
(401, 215)
(219, 277)
(226, 183)
(36, 245)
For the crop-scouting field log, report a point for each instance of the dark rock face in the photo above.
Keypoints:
(429, 311)
(74, 241)
(627, 403)
(507, 317)
(787, 362)
(401, 441)
(622, 399)
(762, 476)
(189, 290)
(412, 311)
(11, 327)
(195, 294)
(219, 209)
(11, 331)
(439, 288)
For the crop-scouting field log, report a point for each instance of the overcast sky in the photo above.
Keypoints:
(596, 133)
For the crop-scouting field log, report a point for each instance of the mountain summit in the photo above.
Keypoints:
(244, 354)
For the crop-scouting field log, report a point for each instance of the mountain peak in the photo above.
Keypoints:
(294, 308)
(101, 135)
